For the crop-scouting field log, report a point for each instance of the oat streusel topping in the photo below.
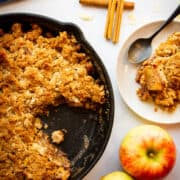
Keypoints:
(159, 76)
(38, 69)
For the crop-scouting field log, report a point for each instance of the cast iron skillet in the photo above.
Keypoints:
(87, 131)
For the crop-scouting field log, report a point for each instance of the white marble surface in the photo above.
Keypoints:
(70, 11)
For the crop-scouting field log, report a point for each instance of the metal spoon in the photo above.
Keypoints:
(141, 49)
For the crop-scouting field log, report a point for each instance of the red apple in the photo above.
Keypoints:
(147, 152)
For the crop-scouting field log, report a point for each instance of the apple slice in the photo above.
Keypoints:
(147, 152)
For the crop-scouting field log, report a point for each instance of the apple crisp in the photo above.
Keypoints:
(159, 76)
(38, 69)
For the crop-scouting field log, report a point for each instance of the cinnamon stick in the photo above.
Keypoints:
(112, 12)
(118, 20)
(108, 19)
(104, 3)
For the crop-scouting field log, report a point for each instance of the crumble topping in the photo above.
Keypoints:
(159, 76)
(38, 69)
(57, 136)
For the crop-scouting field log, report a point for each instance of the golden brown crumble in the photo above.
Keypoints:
(38, 70)
(159, 76)
(57, 136)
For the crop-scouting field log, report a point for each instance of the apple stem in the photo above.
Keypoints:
(151, 155)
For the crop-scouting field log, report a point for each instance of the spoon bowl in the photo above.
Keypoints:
(141, 49)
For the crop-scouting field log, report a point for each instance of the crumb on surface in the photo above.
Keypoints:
(85, 17)
(57, 136)
(45, 126)
(132, 18)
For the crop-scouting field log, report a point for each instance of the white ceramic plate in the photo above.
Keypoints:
(126, 73)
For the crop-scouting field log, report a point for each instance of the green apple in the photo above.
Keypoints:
(147, 152)
(117, 175)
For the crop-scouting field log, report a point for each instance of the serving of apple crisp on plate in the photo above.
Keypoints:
(152, 89)
(39, 69)
(159, 76)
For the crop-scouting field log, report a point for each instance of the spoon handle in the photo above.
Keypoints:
(171, 17)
